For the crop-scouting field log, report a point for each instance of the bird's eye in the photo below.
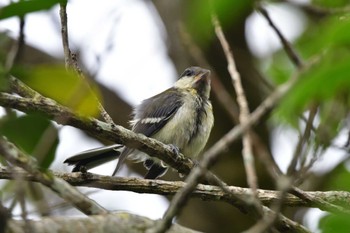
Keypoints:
(187, 72)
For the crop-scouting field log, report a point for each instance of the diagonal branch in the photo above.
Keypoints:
(292, 54)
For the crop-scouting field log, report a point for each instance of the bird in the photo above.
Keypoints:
(181, 116)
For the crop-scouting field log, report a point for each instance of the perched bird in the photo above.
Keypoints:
(180, 116)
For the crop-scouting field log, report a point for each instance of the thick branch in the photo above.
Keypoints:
(117, 223)
(204, 192)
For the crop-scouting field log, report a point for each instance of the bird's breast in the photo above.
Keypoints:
(190, 126)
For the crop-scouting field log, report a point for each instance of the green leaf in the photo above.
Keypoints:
(334, 223)
(21, 8)
(338, 178)
(325, 81)
(331, 3)
(280, 68)
(34, 135)
(328, 34)
(65, 87)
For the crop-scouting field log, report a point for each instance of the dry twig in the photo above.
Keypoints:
(71, 61)
(292, 54)
(247, 152)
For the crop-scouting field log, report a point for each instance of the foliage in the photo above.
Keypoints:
(66, 87)
(28, 133)
(24, 7)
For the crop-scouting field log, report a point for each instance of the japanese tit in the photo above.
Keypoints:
(181, 116)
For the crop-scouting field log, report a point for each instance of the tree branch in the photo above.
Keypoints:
(244, 112)
(291, 53)
(71, 60)
(120, 222)
(204, 192)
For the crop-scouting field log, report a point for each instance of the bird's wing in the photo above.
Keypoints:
(155, 112)
(151, 115)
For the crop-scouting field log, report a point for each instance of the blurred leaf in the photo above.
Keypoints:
(335, 223)
(338, 178)
(64, 87)
(329, 34)
(198, 16)
(33, 134)
(23, 7)
(331, 3)
(280, 68)
(324, 81)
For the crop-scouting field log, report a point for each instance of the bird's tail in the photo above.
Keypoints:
(95, 157)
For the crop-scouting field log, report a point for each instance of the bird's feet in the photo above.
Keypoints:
(176, 151)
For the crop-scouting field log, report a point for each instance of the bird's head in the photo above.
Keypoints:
(195, 79)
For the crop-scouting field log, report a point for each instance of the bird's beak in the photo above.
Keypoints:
(203, 75)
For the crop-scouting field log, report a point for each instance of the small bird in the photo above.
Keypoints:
(181, 116)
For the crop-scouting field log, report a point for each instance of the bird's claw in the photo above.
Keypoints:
(176, 151)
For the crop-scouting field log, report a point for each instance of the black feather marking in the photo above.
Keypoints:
(155, 171)
(200, 112)
(148, 163)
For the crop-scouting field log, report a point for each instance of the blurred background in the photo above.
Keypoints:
(133, 49)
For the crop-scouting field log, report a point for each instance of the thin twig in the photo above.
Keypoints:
(71, 61)
(17, 48)
(64, 34)
(247, 152)
(299, 150)
(292, 54)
